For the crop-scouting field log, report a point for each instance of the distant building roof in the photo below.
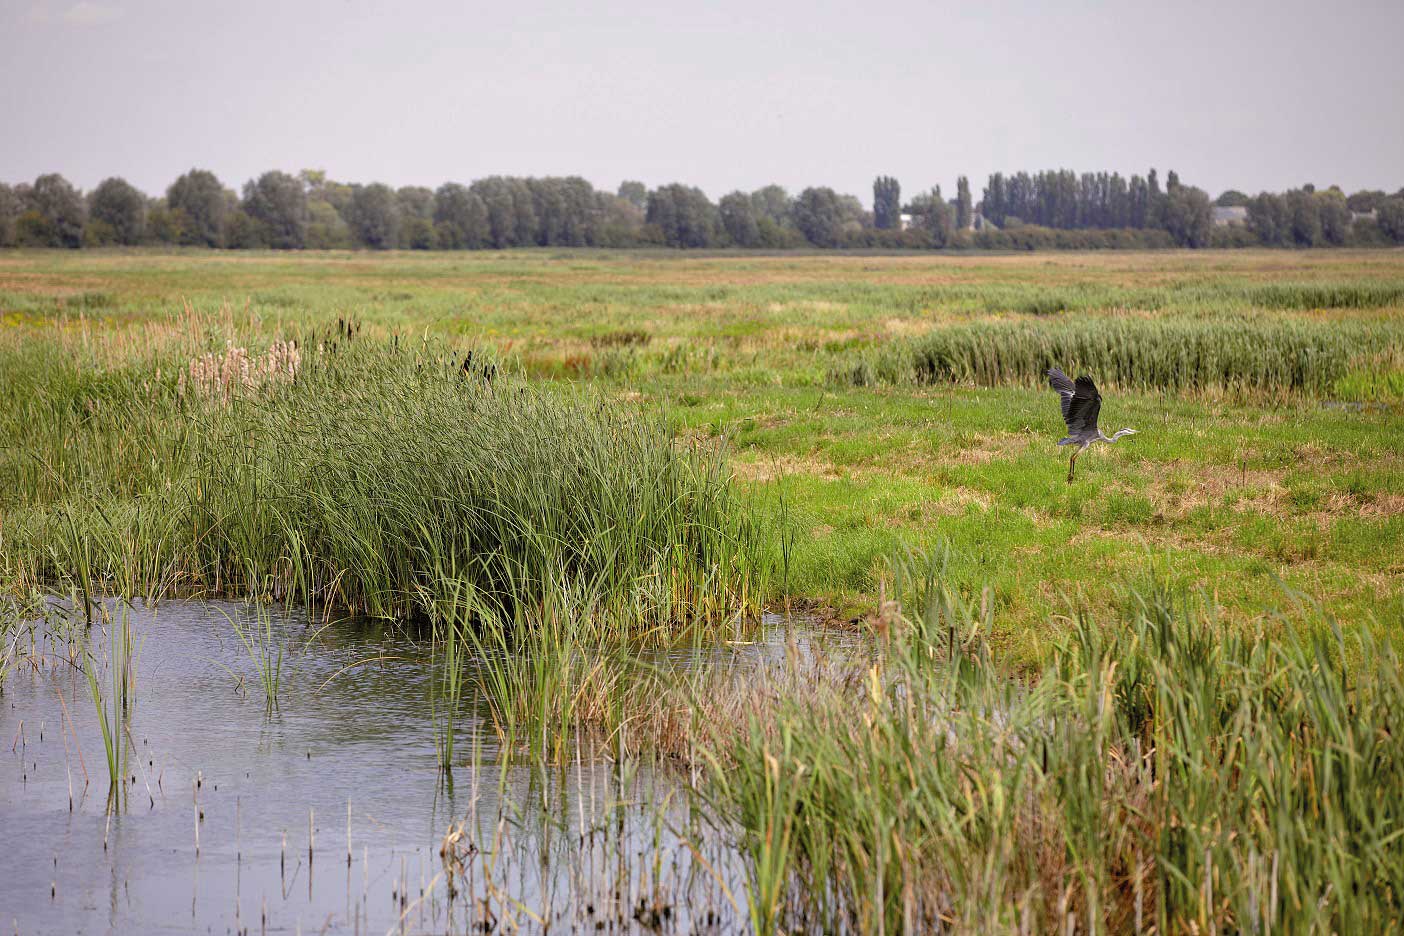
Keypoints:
(1233, 214)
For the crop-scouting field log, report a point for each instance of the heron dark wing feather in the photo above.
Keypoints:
(1083, 407)
(1059, 381)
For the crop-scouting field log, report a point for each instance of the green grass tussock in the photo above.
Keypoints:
(1154, 354)
(378, 469)
(1361, 294)
(1165, 770)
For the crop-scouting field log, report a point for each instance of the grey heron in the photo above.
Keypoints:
(1081, 404)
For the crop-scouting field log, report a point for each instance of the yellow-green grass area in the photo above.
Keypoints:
(1265, 498)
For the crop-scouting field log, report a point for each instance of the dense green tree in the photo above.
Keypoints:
(683, 215)
(1365, 200)
(937, 218)
(11, 207)
(964, 216)
(163, 226)
(887, 203)
(855, 216)
(98, 233)
(1189, 216)
(278, 202)
(994, 200)
(1231, 198)
(117, 204)
(1118, 201)
(326, 229)
(548, 203)
(524, 212)
(1335, 216)
(32, 229)
(582, 216)
(415, 201)
(373, 214)
(565, 211)
(198, 200)
(321, 188)
(1137, 199)
(635, 193)
(496, 195)
(242, 232)
(620, 221)
(416, 211)
(819, 215)
(60, 206)
(461, 218)
(511, 213)
(1304, 217)
(1268, 218)
(738, 216)
(1155, 202)
(417, 233)
(1389, 215)
(772, 203)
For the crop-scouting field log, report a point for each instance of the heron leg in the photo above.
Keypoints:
(1072, 462)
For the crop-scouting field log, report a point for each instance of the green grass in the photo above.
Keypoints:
(1166, 769)
(264, 646)
(1232, 488)
(1224, 353)
(114, 708)
(1202, 631)
(379, 467)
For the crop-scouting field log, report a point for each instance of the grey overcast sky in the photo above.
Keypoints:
(723, 95)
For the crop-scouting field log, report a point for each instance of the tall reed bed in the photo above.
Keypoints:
(554, 676)
(1159, 354)
(1165, 770)
(372, 466)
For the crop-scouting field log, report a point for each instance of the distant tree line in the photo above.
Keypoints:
(1053, 209)
(1305, 217)
(1066, 201)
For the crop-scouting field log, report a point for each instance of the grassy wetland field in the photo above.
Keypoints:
(1162, 697)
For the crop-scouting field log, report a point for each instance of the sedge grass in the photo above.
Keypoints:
(265, 648)
(1276, 357)
(342, 487)
(1166, 770)
(114, 706)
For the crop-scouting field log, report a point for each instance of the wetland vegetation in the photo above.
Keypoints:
(568, 486)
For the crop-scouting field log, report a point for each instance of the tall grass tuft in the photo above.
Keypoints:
(1159, 354)
(345, 482)
(264, 645)
(1166, 770)
(114, 710)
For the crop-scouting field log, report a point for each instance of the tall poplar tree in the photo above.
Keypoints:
(887, 203)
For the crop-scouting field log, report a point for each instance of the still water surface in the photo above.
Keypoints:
(596, 845)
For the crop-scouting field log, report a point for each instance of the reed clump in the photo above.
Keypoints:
(114, 708)
(357, 474)
(1279, 356)
(1165, 770)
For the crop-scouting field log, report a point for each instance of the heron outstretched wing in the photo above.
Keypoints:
(1081, 409)
(1059, 381)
